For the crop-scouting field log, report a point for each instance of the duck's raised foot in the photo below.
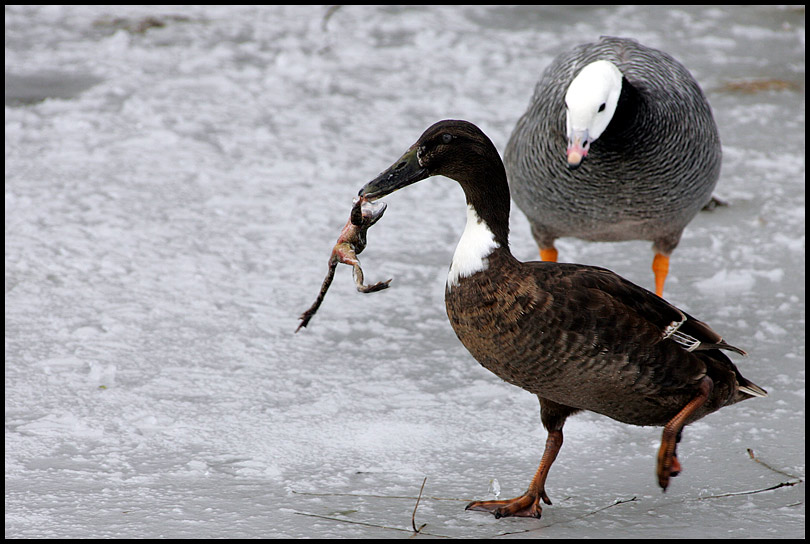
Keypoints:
(666, 470)
(668, 465)
(526, 506)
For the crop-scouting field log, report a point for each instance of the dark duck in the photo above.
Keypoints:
(579, 337)
(618, 143)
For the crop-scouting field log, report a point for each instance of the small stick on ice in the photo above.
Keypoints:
(413, 516)
(350, 243)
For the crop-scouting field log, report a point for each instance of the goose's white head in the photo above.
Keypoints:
(590, 103)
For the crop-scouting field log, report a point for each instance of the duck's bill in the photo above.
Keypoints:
(406, 171)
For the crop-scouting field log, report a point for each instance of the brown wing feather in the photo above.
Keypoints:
(666, 317)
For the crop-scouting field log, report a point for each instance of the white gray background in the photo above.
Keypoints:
(172, 195)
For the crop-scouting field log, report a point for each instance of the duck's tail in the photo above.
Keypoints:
(750, 388)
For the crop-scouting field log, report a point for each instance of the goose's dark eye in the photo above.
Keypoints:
(602, 107)
(447, 138)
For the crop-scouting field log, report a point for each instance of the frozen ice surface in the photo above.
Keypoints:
(175, 179)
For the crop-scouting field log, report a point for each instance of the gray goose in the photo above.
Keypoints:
(579, 337)
(643, 152)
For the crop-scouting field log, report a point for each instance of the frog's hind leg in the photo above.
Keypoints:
(327, 281)
(358, 279)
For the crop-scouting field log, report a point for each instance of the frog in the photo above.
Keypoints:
(351, 242)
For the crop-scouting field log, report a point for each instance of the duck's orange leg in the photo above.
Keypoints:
(548, 254)
(528, 504)
(668, 464)
(660, 268)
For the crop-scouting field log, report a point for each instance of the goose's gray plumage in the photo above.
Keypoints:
(579, 337)
(643, 177)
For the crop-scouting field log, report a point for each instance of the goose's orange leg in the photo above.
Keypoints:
(528, 504)
(548, 254)
(660, 268)
(668, 464)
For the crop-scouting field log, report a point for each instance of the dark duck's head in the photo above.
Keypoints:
(461, 151)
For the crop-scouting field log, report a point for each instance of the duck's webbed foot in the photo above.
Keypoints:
(527, 506)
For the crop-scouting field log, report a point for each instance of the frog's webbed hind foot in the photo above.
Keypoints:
(358, 279)
(379, 286)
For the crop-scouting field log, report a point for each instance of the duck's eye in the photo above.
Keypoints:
(447, 138)
(602, 107)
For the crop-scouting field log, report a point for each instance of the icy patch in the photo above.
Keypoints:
(736, 281)
(727, 282)
(795, 245)
(66, 424)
